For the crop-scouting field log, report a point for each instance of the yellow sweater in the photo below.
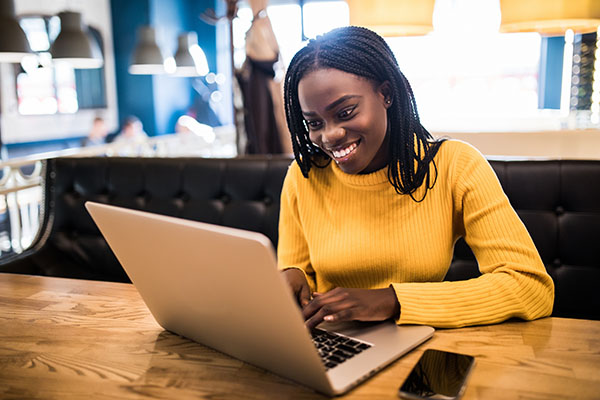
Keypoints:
(356, 231)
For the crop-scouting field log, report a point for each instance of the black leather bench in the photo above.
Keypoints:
(559, 202)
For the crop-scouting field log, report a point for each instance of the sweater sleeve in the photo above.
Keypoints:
(514, 281)
(292, 248)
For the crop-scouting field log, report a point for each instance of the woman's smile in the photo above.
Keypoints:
(343, 153)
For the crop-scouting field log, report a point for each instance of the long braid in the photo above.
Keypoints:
(362, 52)
(301, 144)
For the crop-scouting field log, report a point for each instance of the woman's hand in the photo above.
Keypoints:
(342, 304)
(297, 282)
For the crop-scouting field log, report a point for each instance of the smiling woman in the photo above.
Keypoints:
(411, 148)
(370, 236)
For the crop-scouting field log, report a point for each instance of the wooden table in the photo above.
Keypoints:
(63, 338)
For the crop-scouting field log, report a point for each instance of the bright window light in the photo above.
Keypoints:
(36, 32)
(45, 87)
(286, 22)
(466, 76)
(323, 16)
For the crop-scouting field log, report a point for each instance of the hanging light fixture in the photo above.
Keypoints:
(550, 17)
(393, 17)
(13, 42)
(189, 58)
(148, 59)
(74, 44)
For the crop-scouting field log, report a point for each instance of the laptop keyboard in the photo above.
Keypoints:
(334, 348)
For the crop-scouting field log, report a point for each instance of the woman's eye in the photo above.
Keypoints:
(346, 112)
(313, 124)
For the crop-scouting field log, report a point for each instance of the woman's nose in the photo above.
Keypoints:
(332, 135)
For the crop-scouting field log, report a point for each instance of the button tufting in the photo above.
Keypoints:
(557, 262)
(559, 210)
(184, 197)
(225, 199)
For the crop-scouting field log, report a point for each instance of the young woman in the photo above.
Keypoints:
(372, 206)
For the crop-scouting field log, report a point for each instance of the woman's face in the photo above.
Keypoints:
(347, 118)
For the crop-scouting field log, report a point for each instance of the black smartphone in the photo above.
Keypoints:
(438, 375)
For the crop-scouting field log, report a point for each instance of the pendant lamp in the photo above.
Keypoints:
(189, 58)
(13, 42)
(393, 17)
(148, 58)
(550, 17)
(74, 44)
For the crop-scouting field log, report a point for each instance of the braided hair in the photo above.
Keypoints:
(362, 52)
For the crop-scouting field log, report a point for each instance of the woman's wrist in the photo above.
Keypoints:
(395, 313)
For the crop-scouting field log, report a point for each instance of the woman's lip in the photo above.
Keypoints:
(346, 156)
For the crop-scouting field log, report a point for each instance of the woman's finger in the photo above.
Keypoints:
(346, 314)
(304, 295)
(320, 301)
(340, 310)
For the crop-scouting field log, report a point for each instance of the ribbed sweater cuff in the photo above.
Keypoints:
(457, 304)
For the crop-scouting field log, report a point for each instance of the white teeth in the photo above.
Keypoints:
(344, 152)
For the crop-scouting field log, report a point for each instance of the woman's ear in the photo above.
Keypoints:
(385, 90)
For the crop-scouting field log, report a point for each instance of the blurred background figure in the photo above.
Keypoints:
(132, 130)
(261, 82)
(194, 139)
(98, 133)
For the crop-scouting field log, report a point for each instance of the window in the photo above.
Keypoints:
(291, 24)
(46, 87)
(465, 75)
(467, 82)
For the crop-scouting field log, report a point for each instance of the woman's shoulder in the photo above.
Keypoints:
(319, 177)
(453, 151)
(455, 158)
(294, 172)
(455, 147)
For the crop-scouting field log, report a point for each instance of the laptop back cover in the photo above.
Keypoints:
(215, 285)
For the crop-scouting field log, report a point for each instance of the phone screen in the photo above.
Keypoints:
(438, 375)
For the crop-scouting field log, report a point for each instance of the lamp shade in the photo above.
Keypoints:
(189, 58)
(550, 17)
(148, 59)
(13, 42)
(393, 17)
(74, 44)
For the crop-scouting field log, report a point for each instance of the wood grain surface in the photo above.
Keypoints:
(76, 339)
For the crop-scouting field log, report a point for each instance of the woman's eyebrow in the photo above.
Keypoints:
(340, 101)
(333, 104)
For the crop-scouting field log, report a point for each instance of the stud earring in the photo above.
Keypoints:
(388, 101)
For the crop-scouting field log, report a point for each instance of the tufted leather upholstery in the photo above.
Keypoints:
(559, 202)
(242, 193)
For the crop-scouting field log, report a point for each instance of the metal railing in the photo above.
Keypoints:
(21, 180)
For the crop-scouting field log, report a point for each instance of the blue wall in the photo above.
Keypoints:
(157, 100)
(551, 66)
(134, 92)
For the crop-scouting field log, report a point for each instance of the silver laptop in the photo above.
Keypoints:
(220, 287)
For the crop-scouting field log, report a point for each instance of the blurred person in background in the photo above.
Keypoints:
(98, 133)
(132, 130)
